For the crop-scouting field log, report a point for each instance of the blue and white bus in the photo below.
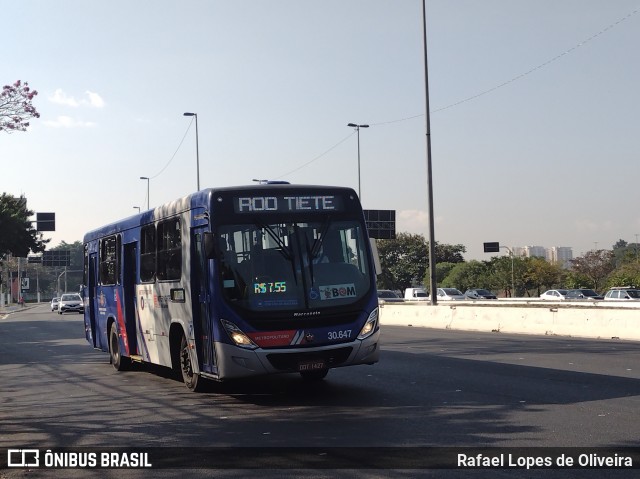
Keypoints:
(236, 282)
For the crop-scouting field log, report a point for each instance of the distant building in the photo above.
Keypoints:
(556, 254)
(560, 255)
(529, 251)
(536, 251)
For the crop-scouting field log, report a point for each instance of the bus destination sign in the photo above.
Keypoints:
(287, 203)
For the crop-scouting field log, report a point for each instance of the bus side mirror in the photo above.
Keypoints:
(209, 246)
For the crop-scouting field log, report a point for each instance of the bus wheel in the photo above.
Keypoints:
(317, 375)
(191, 380)
(119, 362)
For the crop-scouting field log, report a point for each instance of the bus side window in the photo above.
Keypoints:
(169, 259)
(148, 253)
(109, 260)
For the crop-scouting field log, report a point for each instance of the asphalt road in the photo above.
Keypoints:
(432, 388)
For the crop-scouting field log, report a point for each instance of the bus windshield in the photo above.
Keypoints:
(293, 265)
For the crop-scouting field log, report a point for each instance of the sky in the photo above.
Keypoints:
(534, 126)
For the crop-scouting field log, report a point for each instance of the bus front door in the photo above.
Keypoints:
(201, 304)
(92, 279)
(129, 288)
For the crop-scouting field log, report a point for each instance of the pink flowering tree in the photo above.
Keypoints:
(16, 108)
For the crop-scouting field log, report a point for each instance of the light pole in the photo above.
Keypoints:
(145, 178)
(513, 282)
(197, 149)
(357, 127)
(137, 208)
(432, 241)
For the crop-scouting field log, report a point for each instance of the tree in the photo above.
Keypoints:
(595, 265)
(403, 261)
(626, 275)
(540, 274)
(473, 274)
(17, 235)
(442, 271)
(449, 253)
(624, 252)
(16, 108)
(502, 273)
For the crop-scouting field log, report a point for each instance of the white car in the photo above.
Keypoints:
(70, 302)
(622, 294)
(554, 295)
(450, 294)
(54, 304)
(416, 294)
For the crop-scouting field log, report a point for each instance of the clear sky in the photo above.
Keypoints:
(535, 129)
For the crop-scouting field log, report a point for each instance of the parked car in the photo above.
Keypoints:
(416, 294)
(554, 295)
(54, 304)
(70, 302)
(582, 293)
(388, 296)
(450, 294)
(623, 294)
(479, 294)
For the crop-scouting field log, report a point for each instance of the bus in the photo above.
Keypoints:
(236, 282)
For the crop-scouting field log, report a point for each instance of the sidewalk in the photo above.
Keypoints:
(6, 310)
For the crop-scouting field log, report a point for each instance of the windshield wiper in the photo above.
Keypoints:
(317, 244)
(282, 248)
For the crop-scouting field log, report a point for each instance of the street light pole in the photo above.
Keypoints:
(357, 127)
(513, 282)
(197, 149)
(432, 242)
(146, 178)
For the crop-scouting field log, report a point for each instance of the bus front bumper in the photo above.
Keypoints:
(236, 362)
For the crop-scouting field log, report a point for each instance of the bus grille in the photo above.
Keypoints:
(290, 361)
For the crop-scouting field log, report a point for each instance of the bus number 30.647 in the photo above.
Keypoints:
(333, 335)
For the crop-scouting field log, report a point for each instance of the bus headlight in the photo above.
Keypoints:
(370, 326)
(237, 336)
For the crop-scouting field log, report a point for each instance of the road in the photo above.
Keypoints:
(432, 388)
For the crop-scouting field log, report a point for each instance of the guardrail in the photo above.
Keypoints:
(589, 319)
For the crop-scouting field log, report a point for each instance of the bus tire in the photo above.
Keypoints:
(317, 375)
(117, 360)
(191, 380)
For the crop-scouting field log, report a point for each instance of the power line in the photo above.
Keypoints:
(170, 160)
(317, 157)
(522, 75)
(174, 154)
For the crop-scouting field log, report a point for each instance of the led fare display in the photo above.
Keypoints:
(271, 287)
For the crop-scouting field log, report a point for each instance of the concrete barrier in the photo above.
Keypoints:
(585, 319)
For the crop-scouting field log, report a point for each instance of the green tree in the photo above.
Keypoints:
(624, 252)
(472, 274)
(539, 274)
(626, 275)
(442, 271)
(449, 253)
(502, 273)
(17, 234)
(403, 261)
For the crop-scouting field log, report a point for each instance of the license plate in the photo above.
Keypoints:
(312, 365)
